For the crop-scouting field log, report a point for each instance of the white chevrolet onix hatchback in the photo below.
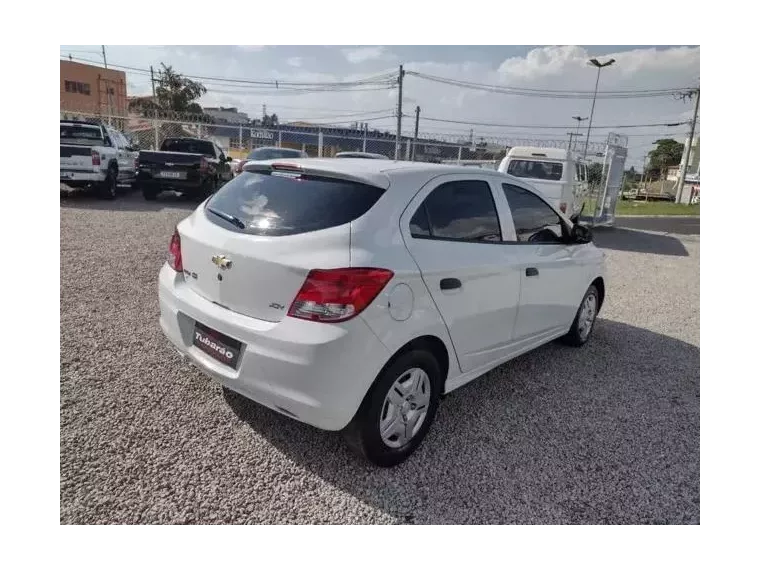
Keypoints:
(352, 294)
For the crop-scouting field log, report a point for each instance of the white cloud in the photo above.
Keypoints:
(295, 61)
(255, 45)
(362, 54)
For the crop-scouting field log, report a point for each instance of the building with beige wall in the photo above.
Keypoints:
(93, 90)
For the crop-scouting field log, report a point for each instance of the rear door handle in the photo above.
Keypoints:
(450, 283)
(531, 272)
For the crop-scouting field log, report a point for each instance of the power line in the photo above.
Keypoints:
(475, 123)
(375, 79)
(557, 94)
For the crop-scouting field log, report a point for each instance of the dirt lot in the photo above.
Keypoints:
(605, 434)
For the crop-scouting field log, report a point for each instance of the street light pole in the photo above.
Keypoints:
(578, 126)
(599, 66)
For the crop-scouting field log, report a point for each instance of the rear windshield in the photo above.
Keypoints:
(270, 153)
(205, 148)
(536, 169)
(277, 205)
(81, 134)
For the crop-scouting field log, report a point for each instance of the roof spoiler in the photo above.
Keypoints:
(295, 168)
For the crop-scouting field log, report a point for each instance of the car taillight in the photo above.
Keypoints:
(204, 165)
(563, 207)
(335, 295)
(137, 164)
(95, 158)
(174, 259)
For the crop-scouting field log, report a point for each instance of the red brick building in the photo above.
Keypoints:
(92, 89)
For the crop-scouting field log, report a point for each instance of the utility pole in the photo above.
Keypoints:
(105, 63)
(685, 165)
(153, 83)
(416, 130)
(399, 110)
(364, 139)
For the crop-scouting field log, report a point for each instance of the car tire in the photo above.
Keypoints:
(585, 318)
(398, 410)
(108, 188)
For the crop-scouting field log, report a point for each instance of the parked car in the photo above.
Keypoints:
(351, 295)
(96, 157)
(350, 154)
(557, 173)
(268, 153)
(191, 166)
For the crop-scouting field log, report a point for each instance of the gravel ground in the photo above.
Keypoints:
(605, 434)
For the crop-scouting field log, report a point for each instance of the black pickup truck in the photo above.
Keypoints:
(193, 167)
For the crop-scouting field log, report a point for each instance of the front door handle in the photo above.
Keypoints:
(450, 283)
(531, 272)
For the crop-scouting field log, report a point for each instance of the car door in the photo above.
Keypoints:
(453, 232)
(551, 270)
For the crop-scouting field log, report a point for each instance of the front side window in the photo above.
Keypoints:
(461, 210)
(534, 220)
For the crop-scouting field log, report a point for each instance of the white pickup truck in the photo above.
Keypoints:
(96, 157)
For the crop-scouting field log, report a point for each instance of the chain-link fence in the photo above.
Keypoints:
(148, 129)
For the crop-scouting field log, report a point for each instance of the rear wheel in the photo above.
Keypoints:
(397, 412)
(583, 325)
(108, 188)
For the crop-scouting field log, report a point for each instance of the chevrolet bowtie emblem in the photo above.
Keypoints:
(222, 262)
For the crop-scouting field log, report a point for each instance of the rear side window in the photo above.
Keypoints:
(277, 205)
(534, 220)
(461, 210)
(536, 169)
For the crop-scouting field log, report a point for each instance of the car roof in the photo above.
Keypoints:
(378, 173)
(536, 152)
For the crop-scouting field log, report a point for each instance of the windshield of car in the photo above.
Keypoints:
(270, 153)
(269, 204)
(81, 134)
(205, 148)
(536, 169)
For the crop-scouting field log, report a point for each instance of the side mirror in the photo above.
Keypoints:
(581, 234)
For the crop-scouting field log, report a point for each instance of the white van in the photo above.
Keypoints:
(555, 172)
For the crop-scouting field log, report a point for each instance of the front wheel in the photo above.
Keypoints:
(583, 325)
(397, 412)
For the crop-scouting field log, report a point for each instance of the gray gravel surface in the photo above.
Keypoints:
(604, 434)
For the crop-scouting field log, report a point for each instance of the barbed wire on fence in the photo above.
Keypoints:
(148, 128)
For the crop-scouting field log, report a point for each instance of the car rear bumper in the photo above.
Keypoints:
(314, 372)
(81, 178)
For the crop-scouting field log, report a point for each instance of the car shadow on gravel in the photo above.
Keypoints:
(608, 433)
(129, 200)
(623, 239)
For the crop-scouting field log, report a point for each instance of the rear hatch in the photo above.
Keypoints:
(76, 158)
(77, 142)
(546, 175)
(170, 165)
(251, 246)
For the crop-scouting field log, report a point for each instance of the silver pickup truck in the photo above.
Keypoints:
(96, 157)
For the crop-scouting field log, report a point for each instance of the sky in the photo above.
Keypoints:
(533, 67)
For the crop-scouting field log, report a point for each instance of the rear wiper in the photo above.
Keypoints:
(228, 217)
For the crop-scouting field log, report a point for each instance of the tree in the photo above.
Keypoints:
(270, 120)
(174, 92)
(667, 152)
